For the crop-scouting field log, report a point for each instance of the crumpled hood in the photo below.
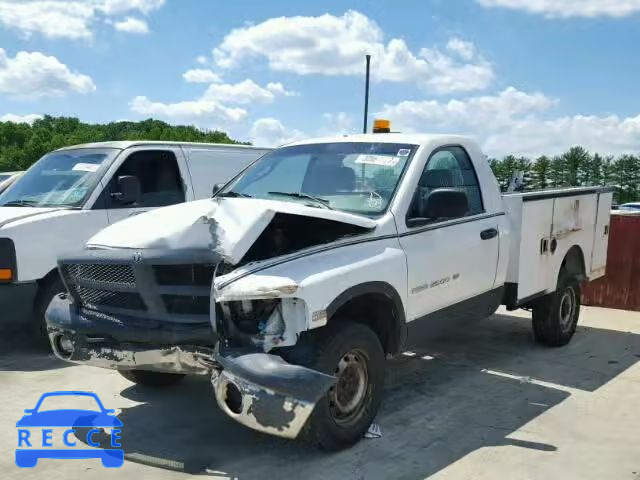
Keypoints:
(12, 214)
(229, 226)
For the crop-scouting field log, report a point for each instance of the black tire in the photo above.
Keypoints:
(555, 316)
(354, 348)
(49, 288)
(151, 379)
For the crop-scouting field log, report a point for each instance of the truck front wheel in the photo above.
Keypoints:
(48, 288)
(555, 316)
(151, 379)
(352, 353)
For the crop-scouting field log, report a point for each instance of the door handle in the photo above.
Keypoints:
(136, 213)
(489, 233)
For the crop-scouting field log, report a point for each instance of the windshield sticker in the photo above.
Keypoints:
(383, 160)
(86, 167)
(404, 152)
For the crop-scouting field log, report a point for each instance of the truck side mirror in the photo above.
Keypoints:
(130, 191)
(446, 203)
(216, 188)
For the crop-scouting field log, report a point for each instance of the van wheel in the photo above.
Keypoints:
(151, 379)
(351, 352)
(555, 316)
(47, 290)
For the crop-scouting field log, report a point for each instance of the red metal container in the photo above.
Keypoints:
(620, 287)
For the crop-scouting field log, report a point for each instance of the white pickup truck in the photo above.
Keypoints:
(294, 283)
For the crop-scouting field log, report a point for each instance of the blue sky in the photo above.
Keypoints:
(522, 76)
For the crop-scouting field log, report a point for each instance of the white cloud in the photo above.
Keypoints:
(214, 103)
(50, 18)
(114, 7)
(30, 118)
(340, 123)
(70, 19)
(471, 114)
(132, 25)
(569, 8)
(516, 122)
(202, 60)
(466, 50)
(34, 75)
(201, 75)
(189, 110)
(278, 89)
(245, 92)
(535, 136)
(336, 45)
(270, 132)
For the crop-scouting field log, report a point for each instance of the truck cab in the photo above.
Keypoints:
(293, 284)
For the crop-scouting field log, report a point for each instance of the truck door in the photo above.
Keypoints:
(449, 259)
(163, 179)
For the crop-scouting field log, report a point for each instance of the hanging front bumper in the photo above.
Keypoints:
(265, 393)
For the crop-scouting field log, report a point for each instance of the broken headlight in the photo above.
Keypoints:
(251, 322)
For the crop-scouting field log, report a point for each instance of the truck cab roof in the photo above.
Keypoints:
(407, 138)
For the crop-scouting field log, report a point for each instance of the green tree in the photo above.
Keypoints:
(540, 173)
(22, 144)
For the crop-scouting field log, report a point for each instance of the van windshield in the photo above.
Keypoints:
(355, 177)
(60, 179)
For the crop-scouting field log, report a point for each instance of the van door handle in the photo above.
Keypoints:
(489, 233)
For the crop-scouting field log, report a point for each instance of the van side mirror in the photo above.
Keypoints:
(130, 191)
(217, 187)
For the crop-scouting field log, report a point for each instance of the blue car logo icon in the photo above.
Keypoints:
(35, 419)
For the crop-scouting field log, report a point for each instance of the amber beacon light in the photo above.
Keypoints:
(381, 126)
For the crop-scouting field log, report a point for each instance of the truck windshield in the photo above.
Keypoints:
(59, 179)
(355, 177)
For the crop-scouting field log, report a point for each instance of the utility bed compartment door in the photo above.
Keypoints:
(601, 236)
(535, 264)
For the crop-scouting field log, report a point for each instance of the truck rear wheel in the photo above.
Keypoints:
(351, 352)
(555, 316)
(151, 379)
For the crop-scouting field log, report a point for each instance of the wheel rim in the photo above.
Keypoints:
(567, 308)
(347, 397)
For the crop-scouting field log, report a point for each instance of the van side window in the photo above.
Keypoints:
(448, 168)
(159, 176)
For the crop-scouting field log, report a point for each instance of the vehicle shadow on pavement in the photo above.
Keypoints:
(468, 390)
(23, 351)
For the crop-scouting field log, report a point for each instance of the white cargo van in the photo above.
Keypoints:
(72, 193)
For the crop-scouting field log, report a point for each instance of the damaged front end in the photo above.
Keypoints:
(143, 299)
(127, 311)
(255, 386)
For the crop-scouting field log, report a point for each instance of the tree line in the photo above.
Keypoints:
(577, 167)
(22, 144)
